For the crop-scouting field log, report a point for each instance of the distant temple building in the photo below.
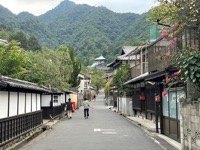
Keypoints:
(100, 64)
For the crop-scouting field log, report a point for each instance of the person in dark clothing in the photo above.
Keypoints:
(69, 108)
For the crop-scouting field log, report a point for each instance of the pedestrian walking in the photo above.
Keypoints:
(86, 106)
(69, 108)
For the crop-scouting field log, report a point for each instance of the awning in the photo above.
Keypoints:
(157, 76)
(137, 79)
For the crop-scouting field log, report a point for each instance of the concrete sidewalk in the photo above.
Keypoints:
(150, 128)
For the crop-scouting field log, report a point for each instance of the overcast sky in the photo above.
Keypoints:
(38, 7)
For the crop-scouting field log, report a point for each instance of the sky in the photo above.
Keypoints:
(38, 7)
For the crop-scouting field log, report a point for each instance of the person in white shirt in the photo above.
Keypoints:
(86, 106)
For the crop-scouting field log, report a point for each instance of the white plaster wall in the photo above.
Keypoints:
(3, 104)
(21, 103)
(62, 97)
(130, 107)
(46, 100)
(125, 105)
(13, 103)
(34, 102)
(59, 100)
(38, 102)
(119, 104)
(28, 102)
(81, 86)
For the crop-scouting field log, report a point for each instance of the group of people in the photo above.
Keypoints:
(69, 108)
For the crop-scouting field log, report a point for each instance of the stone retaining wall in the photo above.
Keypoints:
(190, 125)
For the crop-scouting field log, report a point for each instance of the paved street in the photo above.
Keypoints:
(104, 130)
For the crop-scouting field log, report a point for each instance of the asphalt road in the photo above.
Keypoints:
(103, 130)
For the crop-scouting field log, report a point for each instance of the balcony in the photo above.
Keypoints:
(160, 57)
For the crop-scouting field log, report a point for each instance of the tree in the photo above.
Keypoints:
(13, 60)
(123, 74)
(177, 13)
(76, 68)
(49, 68)
(21, 38)
(33, 44)
(97, 79)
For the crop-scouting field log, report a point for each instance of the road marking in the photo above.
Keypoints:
(109, 132)
(99, 130)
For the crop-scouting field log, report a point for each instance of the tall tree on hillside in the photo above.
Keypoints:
(21, 38)
(76, 68)
(33, 44)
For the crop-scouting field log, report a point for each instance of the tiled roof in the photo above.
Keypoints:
(125, 55)
(15, 83)
(100, 58)
(127, 49)
(138, 78)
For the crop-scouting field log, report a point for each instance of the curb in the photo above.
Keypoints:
(25, 141)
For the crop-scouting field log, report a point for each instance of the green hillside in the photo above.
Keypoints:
(92, 31)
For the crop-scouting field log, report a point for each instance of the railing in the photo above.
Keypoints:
(13, 127)
(53, 111)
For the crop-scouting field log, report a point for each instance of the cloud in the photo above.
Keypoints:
(136, 6)
(36, 7)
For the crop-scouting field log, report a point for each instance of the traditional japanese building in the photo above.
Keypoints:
(20, 108)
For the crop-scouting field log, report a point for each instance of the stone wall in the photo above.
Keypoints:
(190, 125)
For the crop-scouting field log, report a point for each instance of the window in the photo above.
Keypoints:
(55, 98)
(171, 105)
(165, 106)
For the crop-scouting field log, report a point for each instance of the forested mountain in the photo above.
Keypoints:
(92, 31)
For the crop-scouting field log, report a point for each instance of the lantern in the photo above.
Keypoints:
(142, 97)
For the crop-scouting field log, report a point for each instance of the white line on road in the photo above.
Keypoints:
(99, 130)
(109, 132)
